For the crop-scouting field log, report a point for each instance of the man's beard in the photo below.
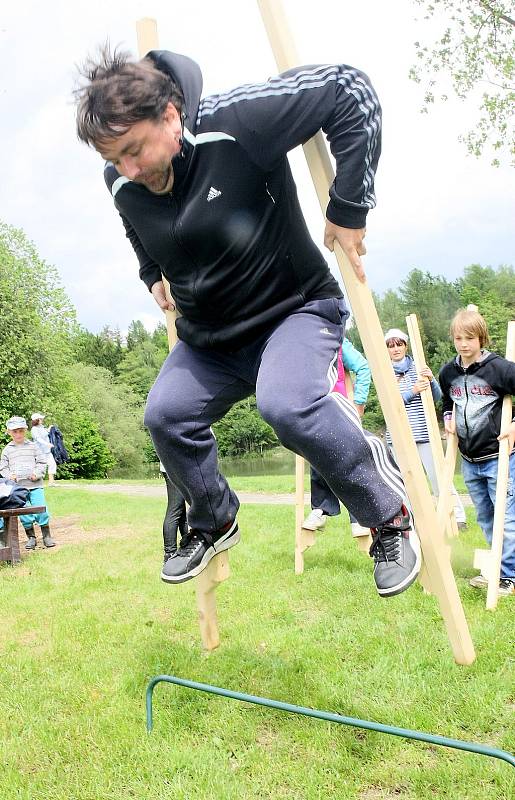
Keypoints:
(158, 182)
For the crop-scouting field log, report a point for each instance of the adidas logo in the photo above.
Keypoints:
(326, 331)
(213, 194)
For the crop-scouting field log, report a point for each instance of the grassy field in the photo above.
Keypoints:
(86, 625)
(246, 483)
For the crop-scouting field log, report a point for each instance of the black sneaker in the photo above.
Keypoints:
(396, 551)
(169, 553)
(506, 586)
(196, 550)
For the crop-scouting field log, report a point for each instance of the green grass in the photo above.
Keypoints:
(86, 626)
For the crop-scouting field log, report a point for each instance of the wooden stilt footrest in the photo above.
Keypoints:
(215, 573)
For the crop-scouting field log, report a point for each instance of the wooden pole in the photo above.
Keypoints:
(503, 468)
(303, 538)
(218, 568)
(437, 565)
(146, 32)
(364, 539)
(445, 497)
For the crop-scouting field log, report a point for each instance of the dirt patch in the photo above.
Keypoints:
(68, 530)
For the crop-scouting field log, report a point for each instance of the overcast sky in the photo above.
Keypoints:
(438, 209)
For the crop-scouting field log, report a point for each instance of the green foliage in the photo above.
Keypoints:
(242, 430)
(93, 386)
(435, 301)
(35, 320)
(137, 334)
(101, 350)
(475, 48)
(141, 365)
(89, 453)
(373, 419)
(117, 412)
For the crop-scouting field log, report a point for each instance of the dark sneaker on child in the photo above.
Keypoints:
(396, 551)
(196, 550)
(506, 586)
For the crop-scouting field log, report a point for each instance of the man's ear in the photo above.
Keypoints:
(170, 113)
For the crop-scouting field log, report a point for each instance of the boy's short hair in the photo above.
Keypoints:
(472, 323)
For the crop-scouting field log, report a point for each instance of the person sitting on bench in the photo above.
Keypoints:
(22, 461)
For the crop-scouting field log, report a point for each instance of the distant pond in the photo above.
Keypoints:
(274, 462)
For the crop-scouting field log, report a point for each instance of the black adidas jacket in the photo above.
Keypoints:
(477, 393)
(231, 238)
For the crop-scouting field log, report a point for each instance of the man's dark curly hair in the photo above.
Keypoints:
(119, 92)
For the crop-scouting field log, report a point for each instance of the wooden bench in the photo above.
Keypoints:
(9, 534)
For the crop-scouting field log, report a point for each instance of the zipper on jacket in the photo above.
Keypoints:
(465, 409)
(176, 238)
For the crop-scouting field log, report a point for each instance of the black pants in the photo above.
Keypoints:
(175, 517)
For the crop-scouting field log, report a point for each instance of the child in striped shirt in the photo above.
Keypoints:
(22, 461)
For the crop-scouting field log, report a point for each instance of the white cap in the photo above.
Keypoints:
(16, 422)
(36, 415)
(396, 333)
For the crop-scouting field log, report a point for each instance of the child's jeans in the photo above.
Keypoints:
(480, 479)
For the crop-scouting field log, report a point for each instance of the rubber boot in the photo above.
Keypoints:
(30, 544)
(47, 539)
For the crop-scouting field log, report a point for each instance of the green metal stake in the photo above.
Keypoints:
(457, 744)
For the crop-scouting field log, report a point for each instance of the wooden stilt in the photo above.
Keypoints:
(435, 440)
(218, 568)
(503, 467)
(364, 539)
(206, 584)
(303, 538)
(438, 567)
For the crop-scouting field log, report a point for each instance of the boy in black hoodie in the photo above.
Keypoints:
(475, 383)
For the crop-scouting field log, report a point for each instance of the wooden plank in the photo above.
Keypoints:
(146, 32)
(435, 440)
(303, 538)
(20, 512)
(218, 568)
(365, 315)
(206, 584)
(503, 467)
(11, 551)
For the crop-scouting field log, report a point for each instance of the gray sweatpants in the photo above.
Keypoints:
(292, 369)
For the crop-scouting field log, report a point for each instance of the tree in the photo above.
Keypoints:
(89, 454)
(243, 430)
(493, 291)
(102, 350)
(435, 301)
(117, 413)
(36, 318)
(141, 364)
(137, 334)
(474, 50)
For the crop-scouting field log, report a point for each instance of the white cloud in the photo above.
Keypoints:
(437, 208)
